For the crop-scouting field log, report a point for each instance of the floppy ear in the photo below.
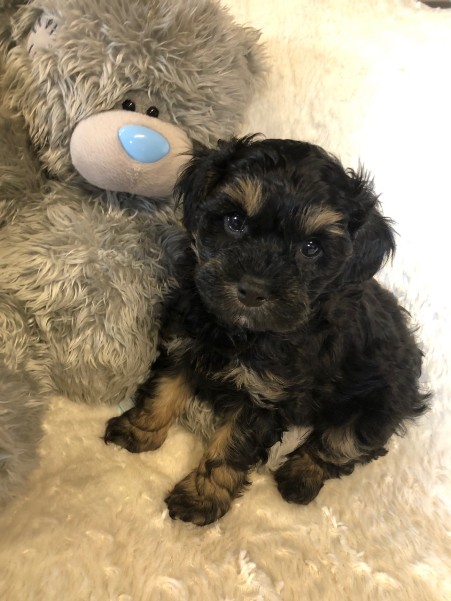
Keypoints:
(204, 172)
(194, 183)
(371, 233)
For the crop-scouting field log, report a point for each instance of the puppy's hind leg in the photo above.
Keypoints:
(332, 454)
(145, 426)
(301, 477)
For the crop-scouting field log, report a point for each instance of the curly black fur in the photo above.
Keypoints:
(279, 322)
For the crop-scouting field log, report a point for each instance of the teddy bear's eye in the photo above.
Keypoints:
(152, 111)
(235, 224)
(128, 105)
(311, 248)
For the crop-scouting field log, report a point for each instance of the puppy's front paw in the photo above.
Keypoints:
(187, 504)
(121, 431)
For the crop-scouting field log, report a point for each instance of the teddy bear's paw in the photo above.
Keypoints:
(122, 432)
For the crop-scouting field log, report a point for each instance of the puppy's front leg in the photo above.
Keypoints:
(207, 492)
(145, 426)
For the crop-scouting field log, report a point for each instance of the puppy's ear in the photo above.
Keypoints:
(371, 233)
(195, 182)
(204, 172)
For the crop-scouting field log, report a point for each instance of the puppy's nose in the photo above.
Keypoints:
(252, 291)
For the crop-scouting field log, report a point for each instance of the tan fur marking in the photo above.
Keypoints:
(150, 424)
(247, 193)
(340, 445)
(265, 387)
(305, 468)
(149, 441)
(221, 486)
(207, 492)
(222, 482)
(170, 397)
(219, 442)
(316, 220)
(177, 346)
(203, 499)
(227, 478)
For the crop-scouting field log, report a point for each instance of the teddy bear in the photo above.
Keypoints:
(101, 104)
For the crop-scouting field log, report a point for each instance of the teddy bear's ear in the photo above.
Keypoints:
(30, 26)
(43, 33)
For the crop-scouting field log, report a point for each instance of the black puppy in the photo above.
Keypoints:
(278, 323)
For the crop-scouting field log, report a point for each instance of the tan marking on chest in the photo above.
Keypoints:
(341, 445)
(262, 387)
(177, 346)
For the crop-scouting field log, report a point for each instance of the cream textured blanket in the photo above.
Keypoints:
(371, 81)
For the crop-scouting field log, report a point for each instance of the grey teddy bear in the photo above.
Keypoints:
(101, 101)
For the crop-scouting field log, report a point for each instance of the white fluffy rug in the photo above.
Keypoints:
(371, 81)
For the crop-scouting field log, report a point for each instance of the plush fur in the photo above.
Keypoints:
(87, 269)
(279, 323)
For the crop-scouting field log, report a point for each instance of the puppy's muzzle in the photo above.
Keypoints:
(252, 291)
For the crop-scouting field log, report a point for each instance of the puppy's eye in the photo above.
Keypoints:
(128, 105)
(235, 224)
(311, 248)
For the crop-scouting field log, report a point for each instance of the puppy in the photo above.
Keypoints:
(278, 323)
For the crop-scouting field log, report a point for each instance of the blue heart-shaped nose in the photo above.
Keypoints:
(143, 144)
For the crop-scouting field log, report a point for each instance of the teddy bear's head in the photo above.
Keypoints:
(117, 90)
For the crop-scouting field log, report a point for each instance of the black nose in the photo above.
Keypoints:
(252, 291)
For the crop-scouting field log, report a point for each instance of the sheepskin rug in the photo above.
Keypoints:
(370, 80)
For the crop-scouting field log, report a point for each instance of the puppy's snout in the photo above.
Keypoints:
(252, 291)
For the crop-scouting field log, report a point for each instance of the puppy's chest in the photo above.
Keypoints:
(260, 376)
(263, 385)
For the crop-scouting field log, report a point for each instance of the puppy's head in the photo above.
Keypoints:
(275, 224)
